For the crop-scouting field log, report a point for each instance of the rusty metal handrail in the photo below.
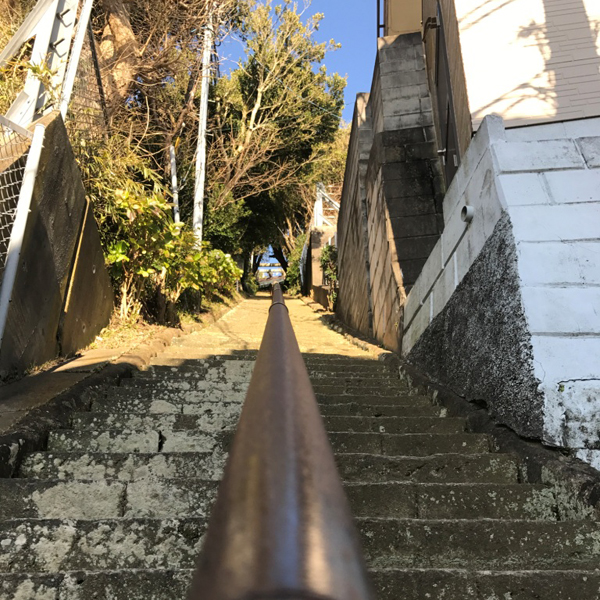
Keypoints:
(281, 527)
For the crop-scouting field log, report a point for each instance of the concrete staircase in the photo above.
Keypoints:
(117, 505)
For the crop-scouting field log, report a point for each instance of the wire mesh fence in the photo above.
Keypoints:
(86, 118)
(13, 156)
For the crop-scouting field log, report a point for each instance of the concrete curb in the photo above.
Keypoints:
(576, 483)
(30, 434)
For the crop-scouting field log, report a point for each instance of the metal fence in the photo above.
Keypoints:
(13, 156)
(84, 108)
(82, 105)
(86, 116)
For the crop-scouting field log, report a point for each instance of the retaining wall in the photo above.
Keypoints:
(391, 204)
(62, 296)
(506, 307)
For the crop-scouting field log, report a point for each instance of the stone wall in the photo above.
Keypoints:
(40, 320)
(505, 310)
(399, 220)
(354, 300)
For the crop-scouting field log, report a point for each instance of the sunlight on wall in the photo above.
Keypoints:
(402, 16)
(531, 60)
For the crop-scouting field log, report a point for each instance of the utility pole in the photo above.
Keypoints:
(174, 185)
(201, 151)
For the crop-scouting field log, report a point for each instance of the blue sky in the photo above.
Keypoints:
(351, 23)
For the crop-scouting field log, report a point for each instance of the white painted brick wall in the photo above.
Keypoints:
(560, 264)
(547, 178)
(460, 243)
(556, 223)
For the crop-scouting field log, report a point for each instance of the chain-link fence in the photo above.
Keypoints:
(86, 118)
(13, 156)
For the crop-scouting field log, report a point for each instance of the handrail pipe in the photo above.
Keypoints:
(281, 527)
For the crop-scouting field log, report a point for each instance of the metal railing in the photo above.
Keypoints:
(281, 526)
(324, 206)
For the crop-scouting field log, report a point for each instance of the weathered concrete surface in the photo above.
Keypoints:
(390, 215)
(117, 504)
(54, 234)
(486, 355)
(496, 545)
(20, 397)
(89, 300)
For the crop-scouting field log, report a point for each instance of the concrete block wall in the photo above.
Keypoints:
(506, 308)
(354, 300)
(404, 155)
(403, 190)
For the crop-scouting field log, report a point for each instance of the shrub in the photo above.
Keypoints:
(152, 260)
(329, 259)
(292, 276)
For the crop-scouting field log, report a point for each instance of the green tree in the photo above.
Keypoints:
(272, 119)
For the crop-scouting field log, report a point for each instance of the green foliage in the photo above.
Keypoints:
(224, 228)
(292, 277)
(250, 284)
(147, 253)
(272, 119)
(329, 260)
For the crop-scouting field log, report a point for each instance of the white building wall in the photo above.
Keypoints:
(556, 225)
(547, 179)
(531, 60)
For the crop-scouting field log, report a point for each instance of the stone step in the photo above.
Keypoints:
(54, 545)
(462, 584)
(368, 468)
(199, 368)
(182, 385)
(136, 441)
(123, 467)
(323, 382)
(325, 361)
(185, 441)
(48, 546)
(127, 584)
(355, 409)
(480, 544)
(181, 359)
(143, 498)
(215, 417)
(374, 391)
(368, 399)
(173, 396)
(134, 400)
(349, 375)
(447, 468)
(396, 424)
(167, 498)
(413, 444)
(416, 584)
(212, 370)
(402, 500)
